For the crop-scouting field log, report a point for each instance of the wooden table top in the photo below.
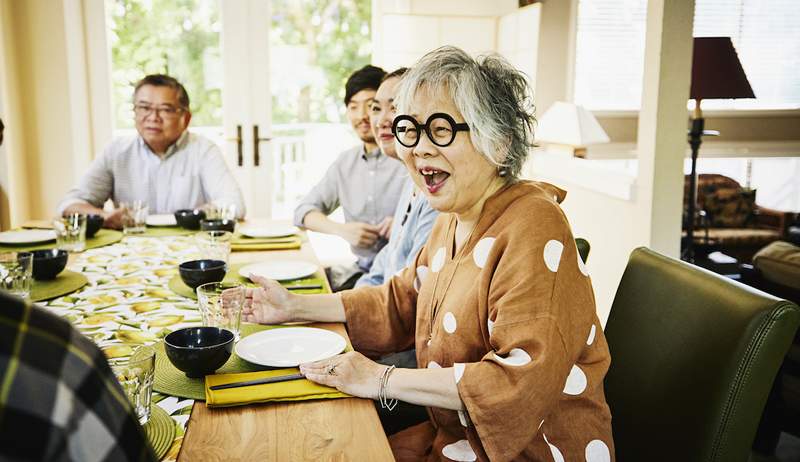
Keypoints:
(332, 429)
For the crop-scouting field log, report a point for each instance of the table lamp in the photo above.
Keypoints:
(716, 74)
(568, 128)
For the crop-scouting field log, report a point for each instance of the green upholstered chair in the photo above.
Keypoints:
(583, 248)
(693, 358)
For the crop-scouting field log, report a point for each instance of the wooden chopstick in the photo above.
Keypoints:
(282, 378)
(304, 287)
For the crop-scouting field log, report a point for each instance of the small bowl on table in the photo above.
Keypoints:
(199, 351)
(93, 224)
(218, 225)
(47, 264)
(195, 273)
(189, 218)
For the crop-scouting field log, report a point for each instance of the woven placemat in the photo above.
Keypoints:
(160, 430)
(176, 283)
(102, 238)
(65, 283)
(170, 380)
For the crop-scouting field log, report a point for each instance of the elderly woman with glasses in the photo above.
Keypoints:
(498, 303)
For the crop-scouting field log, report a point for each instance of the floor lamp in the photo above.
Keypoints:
(716, 74)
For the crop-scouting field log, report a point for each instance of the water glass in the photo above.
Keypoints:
(214, 245)
(220, 211)
(221, 305)
(134, 217)
(71, 232)
(16, 273)
(136, 377)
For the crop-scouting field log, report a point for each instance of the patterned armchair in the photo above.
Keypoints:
(729, 220)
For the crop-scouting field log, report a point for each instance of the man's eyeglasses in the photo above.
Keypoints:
(166, 112)
(440, 128)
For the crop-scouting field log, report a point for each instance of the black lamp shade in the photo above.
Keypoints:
(716, 71)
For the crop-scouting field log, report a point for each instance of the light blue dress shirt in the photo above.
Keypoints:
(413, 220)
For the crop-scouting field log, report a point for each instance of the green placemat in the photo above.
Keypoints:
(170, 380)
(102, 238)
(66, 282)
(161, 231)
(160, 430)
(176, 283)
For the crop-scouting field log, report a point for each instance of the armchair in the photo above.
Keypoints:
(729, 219)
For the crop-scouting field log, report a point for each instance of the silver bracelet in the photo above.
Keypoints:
(389, 404)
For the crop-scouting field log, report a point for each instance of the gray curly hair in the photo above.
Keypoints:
(492, 95)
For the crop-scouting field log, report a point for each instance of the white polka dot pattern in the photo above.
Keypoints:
(458, 371)
(433, 365)
(481, 251)
(576, 382)
(552, 254)
(592, 333)
(422, 273)
(438, 260)
(597, 451)
(557, 456)
(516, 357)
(459, 451)
(449, 322)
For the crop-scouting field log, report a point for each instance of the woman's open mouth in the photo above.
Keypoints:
(434, 179)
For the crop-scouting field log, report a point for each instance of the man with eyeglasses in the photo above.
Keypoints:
(164, 165)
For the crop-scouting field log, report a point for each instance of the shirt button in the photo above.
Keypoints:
(372, 172)
(369, 198)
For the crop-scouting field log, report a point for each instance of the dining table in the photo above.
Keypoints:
(128, 302)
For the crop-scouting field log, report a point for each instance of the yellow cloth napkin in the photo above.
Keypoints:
(293, 390)
(266, 244)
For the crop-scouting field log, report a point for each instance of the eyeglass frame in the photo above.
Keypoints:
(159, 111)
(456, 127)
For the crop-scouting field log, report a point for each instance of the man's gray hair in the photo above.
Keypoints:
(490, 93)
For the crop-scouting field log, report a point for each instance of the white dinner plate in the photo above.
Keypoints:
(274, 230)
(290, 346)
(27, 236)
(280, 270)
(161, 220)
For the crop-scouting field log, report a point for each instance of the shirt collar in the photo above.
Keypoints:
(376, 153)
(177, 145)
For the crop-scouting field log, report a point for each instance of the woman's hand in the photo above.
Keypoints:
(268, 304)
(352, 373)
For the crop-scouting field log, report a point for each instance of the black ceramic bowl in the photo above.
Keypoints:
(93, 224)
(47, 264)
(198, 272)
(217, 225)
(189, 218)
(199, 351)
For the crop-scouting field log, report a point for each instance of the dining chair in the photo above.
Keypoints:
(693, 358)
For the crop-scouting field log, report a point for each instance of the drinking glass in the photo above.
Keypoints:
(221, 305)
(214, 245)
(136, 377)
(16, 273)
(134, 217)
(220, 211)
(71, 232)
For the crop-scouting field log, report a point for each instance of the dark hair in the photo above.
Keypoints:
(367, 78)
(162, 80)
(395, 73)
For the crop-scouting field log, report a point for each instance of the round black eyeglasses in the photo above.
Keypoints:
(441, 129)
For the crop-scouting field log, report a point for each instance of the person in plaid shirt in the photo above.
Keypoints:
(59, 399)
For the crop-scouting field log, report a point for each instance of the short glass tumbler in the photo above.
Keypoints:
(136, 376)
(16, 273)
(71, 232)
(134, 217)
(214, 245)
(221, 305)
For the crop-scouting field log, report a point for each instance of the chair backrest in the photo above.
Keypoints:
(693, 357)
(583, 248)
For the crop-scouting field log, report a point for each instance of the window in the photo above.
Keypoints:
(610, 50)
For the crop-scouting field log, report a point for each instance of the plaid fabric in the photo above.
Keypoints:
(59, 399)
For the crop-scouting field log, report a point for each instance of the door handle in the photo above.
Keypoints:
(239, 145)
(256, 142)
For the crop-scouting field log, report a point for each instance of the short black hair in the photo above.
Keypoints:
(395, 73)
(367, 78)
(163, 80)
